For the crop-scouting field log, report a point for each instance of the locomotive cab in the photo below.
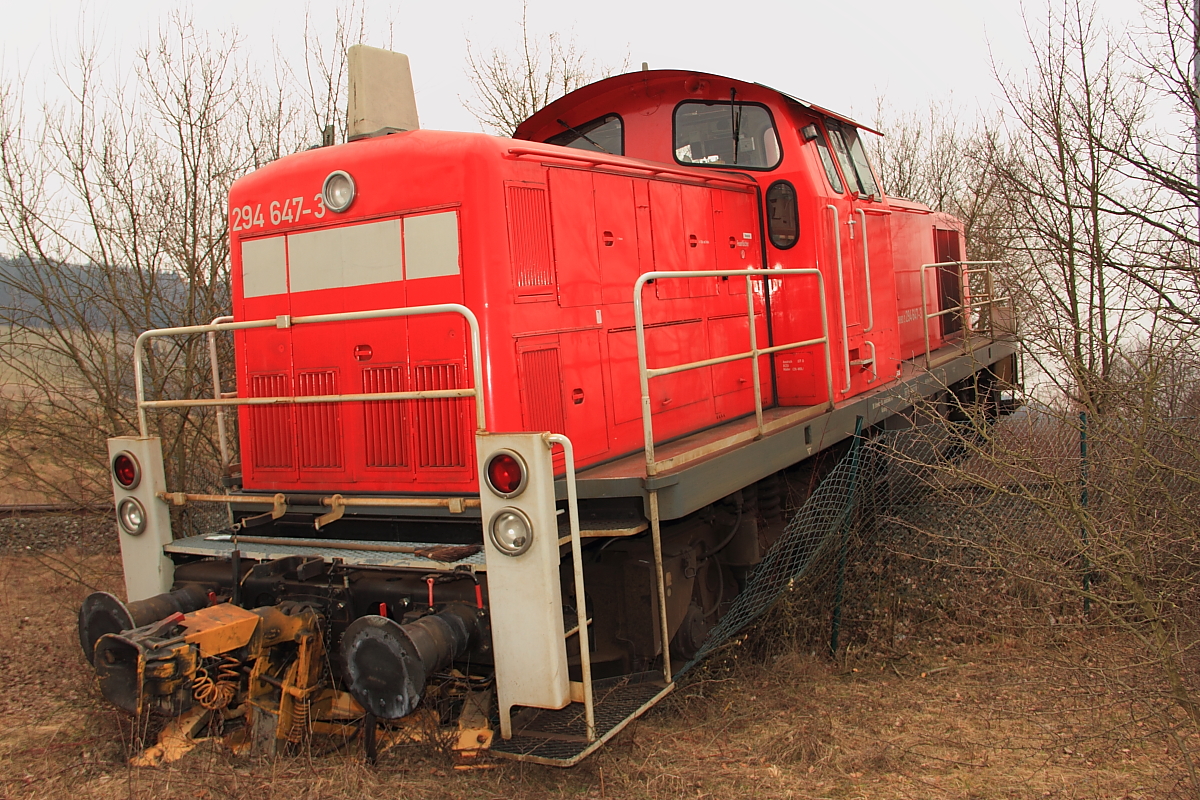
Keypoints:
(822, 205)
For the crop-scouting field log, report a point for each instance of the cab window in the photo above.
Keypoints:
(602, 135)
(724, 134)
(812, 133)
(783, 222)
(852, 158)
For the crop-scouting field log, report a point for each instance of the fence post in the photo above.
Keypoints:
(855, 460)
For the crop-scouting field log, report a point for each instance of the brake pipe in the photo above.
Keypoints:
(470, 573)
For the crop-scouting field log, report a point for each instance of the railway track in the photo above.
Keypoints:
(24, 509)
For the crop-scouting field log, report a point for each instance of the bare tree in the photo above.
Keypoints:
(1162, 159)
(1090, 499)
(325, 69)
(511, 85)
(1092, 518)
(114, 202)
(1070, 254)
(946, 161)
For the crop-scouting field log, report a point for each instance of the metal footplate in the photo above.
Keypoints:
(558, 738)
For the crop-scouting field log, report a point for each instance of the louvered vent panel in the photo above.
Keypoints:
(271, 426)
(529, 239)
(320, 435)
(542, 379)
(441, 436)
(385, 418)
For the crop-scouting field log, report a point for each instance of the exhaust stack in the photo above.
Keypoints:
(381, 97)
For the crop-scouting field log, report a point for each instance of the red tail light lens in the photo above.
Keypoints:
(506, 473)
(126, 470)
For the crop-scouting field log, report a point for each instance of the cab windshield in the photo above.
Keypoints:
(852, 158)
(602, 135)
(724, 134)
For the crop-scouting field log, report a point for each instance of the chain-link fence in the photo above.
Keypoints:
(1035, 519)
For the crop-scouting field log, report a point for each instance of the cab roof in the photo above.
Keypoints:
(648, 85)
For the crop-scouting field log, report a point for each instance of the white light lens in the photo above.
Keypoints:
(511, 531)
(338, 191)
(132, 516)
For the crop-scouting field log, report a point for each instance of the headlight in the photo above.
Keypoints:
(132, 516)
(511, 531)
(126, 470)
(338, 191)
(506, 473)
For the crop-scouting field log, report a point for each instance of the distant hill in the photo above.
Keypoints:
(88, 293)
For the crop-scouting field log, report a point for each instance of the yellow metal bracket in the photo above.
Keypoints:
(338, 503)
(220, 628)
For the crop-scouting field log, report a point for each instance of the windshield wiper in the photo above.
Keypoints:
(584, 136)
(735, 118)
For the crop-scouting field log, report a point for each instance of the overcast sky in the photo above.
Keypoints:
(842, 55)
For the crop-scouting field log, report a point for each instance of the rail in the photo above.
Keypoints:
(585, 657)
(645, 373)
(866, 250)
(837, 240)
(214, 363)
(286, 321)
(964, 276)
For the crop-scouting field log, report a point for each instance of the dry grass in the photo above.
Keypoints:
(996, 719)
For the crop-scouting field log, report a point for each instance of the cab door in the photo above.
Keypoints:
(858, 247)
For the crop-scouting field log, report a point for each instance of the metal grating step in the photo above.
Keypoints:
(559, 737)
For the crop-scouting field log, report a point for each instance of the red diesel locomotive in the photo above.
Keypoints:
(515, 416)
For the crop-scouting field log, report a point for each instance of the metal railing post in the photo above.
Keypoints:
(837, 239)
(964, 316)
(867, 273)
(925, 313)
(215, 365)
(585, 657)
(656, 541)
(758, 410)
(643, 376)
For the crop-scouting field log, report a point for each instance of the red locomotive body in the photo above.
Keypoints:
(546, 255)
(545, 245)
(671, 288)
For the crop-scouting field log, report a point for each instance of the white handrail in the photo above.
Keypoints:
(645, 373)
(867, 272)
(287, 321)
(215, 366)
(964, 286)
(585, 657)
(837, 240)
